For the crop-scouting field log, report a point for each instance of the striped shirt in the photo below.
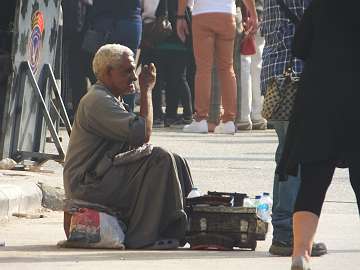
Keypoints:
(279, 31)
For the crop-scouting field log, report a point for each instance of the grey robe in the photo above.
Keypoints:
(142, 185)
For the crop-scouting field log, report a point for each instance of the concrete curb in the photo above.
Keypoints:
(22, 198)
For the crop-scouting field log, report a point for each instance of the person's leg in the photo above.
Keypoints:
(284, 196)
(237, 70)
(171, 92)
(246, 98)
(315, 180)
(225, 27)
(177, 86)
(215, 103)
(149, 56)
(77, 71)
(354, 171)
(190, 77)
(184, 88)
(203, 42)
(256, 63)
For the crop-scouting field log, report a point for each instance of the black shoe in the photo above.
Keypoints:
(187, 121)
(286, 249)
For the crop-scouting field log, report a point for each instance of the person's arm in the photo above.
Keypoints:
(252, 21)
(147, 81)
(182, 27)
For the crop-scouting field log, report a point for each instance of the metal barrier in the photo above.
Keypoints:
(47, 79)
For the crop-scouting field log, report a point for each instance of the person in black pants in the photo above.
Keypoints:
(171, 58)
(324, 130)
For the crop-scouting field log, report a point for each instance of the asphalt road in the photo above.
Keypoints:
(241, 163)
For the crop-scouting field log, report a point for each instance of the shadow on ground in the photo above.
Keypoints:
(48, 253)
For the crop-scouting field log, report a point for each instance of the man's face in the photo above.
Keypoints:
(122, 77)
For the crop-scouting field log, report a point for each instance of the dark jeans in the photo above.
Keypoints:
(171, 67)
(316, 179)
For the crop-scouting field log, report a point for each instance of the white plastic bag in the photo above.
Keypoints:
(92, 229)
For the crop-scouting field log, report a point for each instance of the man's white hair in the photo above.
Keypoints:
(109, 55)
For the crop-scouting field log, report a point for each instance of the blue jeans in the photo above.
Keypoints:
(126, 32)
(284, 193)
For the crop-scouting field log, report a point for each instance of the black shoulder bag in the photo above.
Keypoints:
(158, 30)
(280, 95)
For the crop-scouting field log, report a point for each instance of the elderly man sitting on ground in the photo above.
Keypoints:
(110, 162)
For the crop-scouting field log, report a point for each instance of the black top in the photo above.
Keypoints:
(125, 9)
(326, 121)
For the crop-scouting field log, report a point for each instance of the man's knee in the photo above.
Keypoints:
(161, 155)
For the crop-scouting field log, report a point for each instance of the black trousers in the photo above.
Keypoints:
(171, 68)
(315, 180)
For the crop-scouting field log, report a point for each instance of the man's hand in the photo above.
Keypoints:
(251, 23)
(182, 29)
(147, 78)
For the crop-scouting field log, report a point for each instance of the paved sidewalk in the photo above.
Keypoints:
(241, 163)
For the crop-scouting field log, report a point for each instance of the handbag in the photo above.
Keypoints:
(156, 31)
(248, 45)
(281, 93)
(280, 97)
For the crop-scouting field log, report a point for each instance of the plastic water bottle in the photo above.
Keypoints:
(195, 192)
(268, 197)
(264, 207)
(256, 203)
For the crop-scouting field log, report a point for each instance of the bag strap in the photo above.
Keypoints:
(292, 17)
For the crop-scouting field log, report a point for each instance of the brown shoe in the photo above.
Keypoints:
(279, 248)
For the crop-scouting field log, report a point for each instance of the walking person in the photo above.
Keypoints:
(213, 28)
(278, 32)
(323, 131)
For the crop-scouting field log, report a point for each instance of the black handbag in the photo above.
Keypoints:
(157, 31)
(281, 93)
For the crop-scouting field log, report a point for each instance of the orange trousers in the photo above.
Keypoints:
(213, 37)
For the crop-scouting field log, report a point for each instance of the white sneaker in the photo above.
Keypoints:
(225, 128)
(196, 127)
